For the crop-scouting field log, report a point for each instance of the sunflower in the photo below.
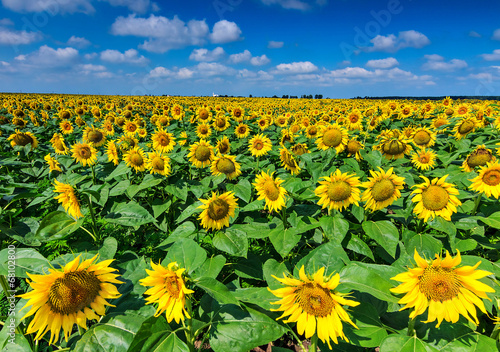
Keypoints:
(227, 165)
(462, 110)
(108, 129)
(203, 131)
(447, 290)
(281, 121)
(221, 123)
(203, 114)
(288, 161)
(339, 190)
(217, 210)
(94, 135)
(58, 144)
(223, 146)
(242, 130)
(440, 121)
(424, 159)
(23, 139)
(127, 142)
(423, 137)
(353, 147)
(270, 190)
(183, 138)
(314, 305)
(465, 126)
(394, 147)
(488, 180)
(312, 131)
(53, 163)
(112, 152)
(259, 145)
(68, 199)
(201, 154)
(332, 137)
(435, 198)
(69, 296)
(168, 290)
(66, 127)
(157, 163)
(382, 189)
(84, 153)
(354, 120)
(299, 149)
(136, 159)
(478, 157)
(263, 123)
(177, 112)
(238, 113)
(163, 141)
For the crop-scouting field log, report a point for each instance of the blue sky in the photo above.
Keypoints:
(338, 48)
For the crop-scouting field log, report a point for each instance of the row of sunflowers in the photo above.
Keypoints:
(264, 222)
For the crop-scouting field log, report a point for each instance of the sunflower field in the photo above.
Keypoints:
(248, 224)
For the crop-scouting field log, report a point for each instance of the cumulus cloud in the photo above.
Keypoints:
(260, 60)
(164, 34)
(138, 6)
(495, 56)
(296, 68)
(496, 34)
(130, 56)
(207, 55)
(437, 63)
(382, 63)
(78, 42)
(13, 37)
(49, 57)
(240, 57)
(225, 32)
(52, 7)
(275, 45)
(393, 43)
(208, 69)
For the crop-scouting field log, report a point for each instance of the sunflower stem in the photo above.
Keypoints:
(190, 337)
(476, 203)
(93, 174)
(90, 233)
(314, 343)
(296, 338)
(283, 217)
(92, 215)
(411, 327)
(7, 290)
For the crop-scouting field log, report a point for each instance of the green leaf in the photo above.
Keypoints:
(272, 267)
(426, 245)
(183, 230)
(283, 240)
(358, 212)
(187, 253)
(121, 169)
(129, 214)
(493, 220)
(335, 227)
(57, 225)
(152, 331)
(240, 330)
(108, 249)
(211, 267)
(149, 182)
(190, 210)
(384, 233)
(402, 343)
(23, 231)
(119, 188)
(255, 205)
(363, 279)
(243, 190)
(357, 245)
(25, 260)
(259, 296)
(330, 256)
(160, 206)
(371, 330)
(231, 241)
(250, 268)
(216, 290)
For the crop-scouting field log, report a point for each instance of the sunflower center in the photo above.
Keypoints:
(203, 130)
(383, 190)
(221, 123)
(394, 147)
(492, 177)
(85, 152)
(223, 148)
(421, 138)
(73, 292)
(332, 138)
(242, 129)
(136, 159)
(339, 191)
(203, 114)
(131, 127)
(435, 198)
(218, 209)
(58, 145)
(440, 122)
(95, 136)
(312, 131)
(424, 159)
(271, 189)
(172, 286)
(465, 127)
(202, 153)
(258, 145)
(237, 113)
(158, 163)
(353, 118)
(164, 140)
(226, 166)
(65, 115)
(479, 158)
(462, 110)
(315, 300)
(439, 284)
(22, 139)
(353, 147)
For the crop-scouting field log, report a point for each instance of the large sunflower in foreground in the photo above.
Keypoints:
(227, 165)
(465, 126)
(168, 290)
(339, 190)
(270, 189)
(447, 290)
(23, 139)
(201, 154)
(314, 305)
(435, 198)
(382, 189)
(68, 199)
(259, 145)
(136, 159)
(157, 163)
(72, 295)
(488, 180)
(163, 141)
(423, 137)
(479, 157)
(84, 153)
(94, 135)
(332, 137)
(217, 210)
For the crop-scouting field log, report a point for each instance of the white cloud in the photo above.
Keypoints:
(6, 22)
(382, 63)
(483, 76)
(78, 42)
(405, 39)
(138, 6)
(130, 56)
(474, 34)
(160, 71)
(209, 69)
(496, 34)
(495, 56)
(255, 76)
(296, 68)
(203, 69)
(207, 55)
(164, 34)
(13, 37)
(52, 7)
(90, 56)
(49, 57)
(240, 57)
(275, 45)
(225, 32)
(184, 73)
(91, 67)
(259, 60)
(437, 63)
(294, 4)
